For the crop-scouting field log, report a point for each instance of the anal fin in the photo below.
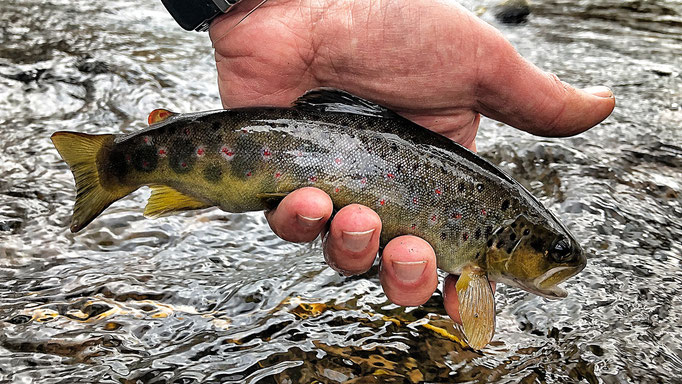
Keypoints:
(166, 200)
(476, 306)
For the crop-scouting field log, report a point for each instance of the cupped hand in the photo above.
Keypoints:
(432, 62)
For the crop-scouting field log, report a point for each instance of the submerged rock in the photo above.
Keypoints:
(512, 11)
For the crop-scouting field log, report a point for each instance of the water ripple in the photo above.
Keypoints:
(210, 297)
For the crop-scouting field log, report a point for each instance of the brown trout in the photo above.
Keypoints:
(481, 223)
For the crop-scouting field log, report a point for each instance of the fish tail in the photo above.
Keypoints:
(81, 152)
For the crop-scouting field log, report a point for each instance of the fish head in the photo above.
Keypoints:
(535, 255)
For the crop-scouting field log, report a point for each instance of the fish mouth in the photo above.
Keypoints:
(547, 284)
(554, 292)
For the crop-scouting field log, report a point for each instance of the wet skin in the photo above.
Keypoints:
(442, 81)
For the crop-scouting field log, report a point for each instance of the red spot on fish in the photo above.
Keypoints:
(456, 215)
(299, 154)
(162, 152)
(336, 190)
(433, 217)
(390, 176)
(278, 175)
(465, 236)
(363, 181)
(128, 159)
(266, 153)
(248, 174)
(382, 202)
(438, 191)
(483, 212)
(415, 200)
(147, 139)
(312, 179)
(145, 164)
(200, 152)
(338, 161)
(413, 226)
(183, 164)
(187, 131)
(226, 152)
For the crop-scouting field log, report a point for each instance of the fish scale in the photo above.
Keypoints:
(481, 223)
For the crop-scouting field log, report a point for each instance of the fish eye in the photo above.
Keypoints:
(561, 251)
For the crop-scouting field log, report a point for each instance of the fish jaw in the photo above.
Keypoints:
(545, 285)
(539, 258)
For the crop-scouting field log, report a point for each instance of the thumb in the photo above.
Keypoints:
(516, 92)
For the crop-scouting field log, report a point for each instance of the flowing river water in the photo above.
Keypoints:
(212, 297)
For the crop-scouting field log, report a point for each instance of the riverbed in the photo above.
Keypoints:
(212, 297)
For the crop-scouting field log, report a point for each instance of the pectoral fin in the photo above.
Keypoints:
(165, 200)
(476, 306)
(272, 199)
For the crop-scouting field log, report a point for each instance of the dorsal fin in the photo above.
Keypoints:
(336, 100)
(159, 115)
(165, 200)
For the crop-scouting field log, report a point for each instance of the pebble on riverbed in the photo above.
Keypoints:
(512, 11)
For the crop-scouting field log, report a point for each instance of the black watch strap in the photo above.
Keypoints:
(196, 14)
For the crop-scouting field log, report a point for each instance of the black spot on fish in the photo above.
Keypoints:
(399, 167)
(181, 158)
(215, 126)
(522, 225)
(513, 225)
(505, 205)
(526, 232)
(477, 234)
(246, 149)
(489, 243)
(488, 231)
(465, 236)
(512, 237)
(479, 187)
(461, 187)
(443, 236)
(500, 244)
(510, 249)
(117, 164)
(212, 139)
(415, 167)
(213, 173)
(145, 158)
(537, 244)
(394, 147)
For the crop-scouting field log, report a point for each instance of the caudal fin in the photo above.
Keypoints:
(80, 151)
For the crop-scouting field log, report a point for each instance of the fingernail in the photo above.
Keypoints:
(409, 271)
(309, 221)
(356, 241)
(599, 91)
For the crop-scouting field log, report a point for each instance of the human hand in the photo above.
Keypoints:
(432, 62)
